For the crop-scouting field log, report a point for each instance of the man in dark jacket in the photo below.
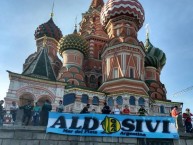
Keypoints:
(106, 109)
(46, 108)
(27, 113)
(85, 109)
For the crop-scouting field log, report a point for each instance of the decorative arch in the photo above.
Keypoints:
(119, 100)
(92, 79)
(99, 81)
(95, 101)
(141, 101)
(41, 100)
(25, 97)
(85, 98)
(110, 102)
(132, 100)
(31, 89)
(162, 109)
(115, 41)
(131, 40)
(73, 82)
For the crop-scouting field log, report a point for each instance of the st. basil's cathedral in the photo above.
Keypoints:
(103, 61)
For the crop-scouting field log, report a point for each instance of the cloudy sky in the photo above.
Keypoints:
(171, 29)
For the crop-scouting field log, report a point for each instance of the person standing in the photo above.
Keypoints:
(174, 114)
(46, 108)
(187, 120)
(60, 107)
(27, 113)
(116, 110)
(1, 112)
(13, 111)
(85, 109)
(106, 109)
(142, 111)
(126, 110)
(36, 114)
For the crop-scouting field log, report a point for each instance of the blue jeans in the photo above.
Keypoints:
(36, 120)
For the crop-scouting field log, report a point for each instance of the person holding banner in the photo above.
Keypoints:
(126, 110)
(116, 110)
(187, 120)
(106, 109)
(85, 109)
(142, 111)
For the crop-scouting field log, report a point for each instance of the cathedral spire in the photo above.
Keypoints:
(147, 31)
(75, 26)
(52, 13)
(97, 3)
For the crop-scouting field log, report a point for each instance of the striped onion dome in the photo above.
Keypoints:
(154, 56)
(73, 41)
(48, 29)
(115, 8)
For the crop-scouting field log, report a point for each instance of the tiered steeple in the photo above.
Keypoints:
(40, 67)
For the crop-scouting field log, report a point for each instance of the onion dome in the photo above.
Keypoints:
(154, 56)
(73, 41)
(48, 29)
(115, 8)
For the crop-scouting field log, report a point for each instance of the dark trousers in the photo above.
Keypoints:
(13, 116)
(188, 126)
(44, 118)
(36, 120)
(26, 116)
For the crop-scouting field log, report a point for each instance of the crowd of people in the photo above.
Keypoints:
(116, 110)
(33, 115)
(38, 115)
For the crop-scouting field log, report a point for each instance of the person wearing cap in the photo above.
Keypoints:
(60, 107)
(187, 120)
(142, 111)
(85, 109)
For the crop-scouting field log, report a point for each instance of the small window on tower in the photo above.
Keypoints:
(131, 73)
(75, 58)
(118, 32)
(115, 73)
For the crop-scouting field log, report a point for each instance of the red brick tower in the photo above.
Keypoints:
(123, 57)
(91, 30)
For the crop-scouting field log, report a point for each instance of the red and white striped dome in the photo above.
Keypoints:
(114, 8)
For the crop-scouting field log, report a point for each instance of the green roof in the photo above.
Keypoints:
(40, 67)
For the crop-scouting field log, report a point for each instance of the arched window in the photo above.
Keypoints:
(99, 81)
(95, 101)
(84, 98)
(69, 99)
(119, 100)
(141, 101)
(111, 102)
(162, 110)
(132, 100)
(92, 79)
